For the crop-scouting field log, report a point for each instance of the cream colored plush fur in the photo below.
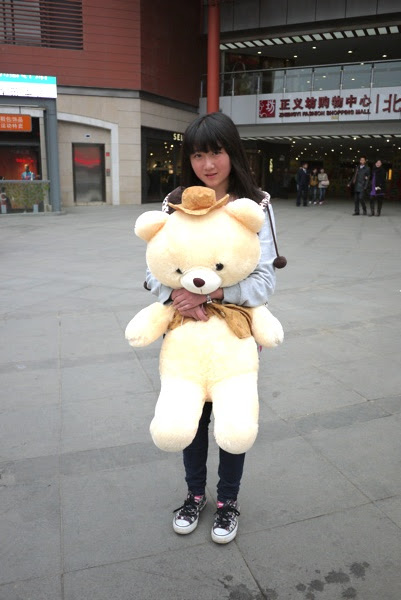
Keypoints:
(204, 361)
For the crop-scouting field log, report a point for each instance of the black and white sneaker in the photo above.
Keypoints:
(225, 524)
(187, 516)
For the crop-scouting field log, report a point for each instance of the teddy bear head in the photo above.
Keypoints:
(205, 244)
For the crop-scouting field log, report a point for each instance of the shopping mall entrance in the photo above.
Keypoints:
(337, 152)
(161, 164)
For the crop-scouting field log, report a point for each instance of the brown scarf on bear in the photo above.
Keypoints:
(238, 318)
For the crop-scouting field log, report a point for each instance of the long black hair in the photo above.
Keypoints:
(211, 133)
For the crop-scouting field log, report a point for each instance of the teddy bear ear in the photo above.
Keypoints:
(247, 212)
(149, 223)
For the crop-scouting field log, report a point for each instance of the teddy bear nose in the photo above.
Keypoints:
(198, 282)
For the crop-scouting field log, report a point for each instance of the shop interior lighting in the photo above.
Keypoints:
(317, 37)
(371, 31)
(307, 38)
(328, 36)
(288, 40)
(338, 35)
(250, 44)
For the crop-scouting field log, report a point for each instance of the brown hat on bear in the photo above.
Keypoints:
(199, 200)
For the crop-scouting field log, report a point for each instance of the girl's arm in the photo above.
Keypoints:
(256, 289)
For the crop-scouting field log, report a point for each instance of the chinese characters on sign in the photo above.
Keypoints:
(383, 103)
(15, 123)
(33, 86)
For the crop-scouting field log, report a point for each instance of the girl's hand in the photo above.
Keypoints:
(184, 300)
(198, 313)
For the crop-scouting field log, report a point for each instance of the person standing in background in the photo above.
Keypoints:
(313, 183)
(323, 184)
(378, 187)
(360, 180)
(27, 174)
(302, 185)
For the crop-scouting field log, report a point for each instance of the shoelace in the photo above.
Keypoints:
(224, 515)
(188, 509)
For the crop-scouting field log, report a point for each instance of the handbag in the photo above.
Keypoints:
(325, 183)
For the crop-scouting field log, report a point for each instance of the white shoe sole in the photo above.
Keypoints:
(189, 528)
(225, 539)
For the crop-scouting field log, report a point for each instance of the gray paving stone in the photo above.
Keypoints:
(104, 422)
(42, 588)
(87, 499)
(29, 529)
(333, 557)
(90, 379)
(392, 508)
(368, 454)
(107, 514)
(306, 390)
(341, 417)
(24, 387)
(185, 573)
(30, 433)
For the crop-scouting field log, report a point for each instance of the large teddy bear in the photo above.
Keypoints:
(205, 245)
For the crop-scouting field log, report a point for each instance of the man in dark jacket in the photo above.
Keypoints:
(360, 182)
(302, 184)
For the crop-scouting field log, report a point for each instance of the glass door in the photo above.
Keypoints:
(88, 172)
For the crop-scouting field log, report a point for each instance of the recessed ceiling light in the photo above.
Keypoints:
(259, 52)
(295, 55)
(350, 51)
(384, 55)
(313, 47)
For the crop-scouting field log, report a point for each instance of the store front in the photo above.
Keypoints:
(19, 147)
(161, 163)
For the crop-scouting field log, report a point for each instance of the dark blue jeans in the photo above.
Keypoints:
(231, 466)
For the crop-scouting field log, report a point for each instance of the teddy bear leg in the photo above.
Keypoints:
(177, 414)
(236, 412)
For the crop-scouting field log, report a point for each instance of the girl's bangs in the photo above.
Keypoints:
(203, 140)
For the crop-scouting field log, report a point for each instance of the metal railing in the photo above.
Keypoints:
(309, 79)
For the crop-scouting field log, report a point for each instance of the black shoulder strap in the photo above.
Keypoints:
(280, 261)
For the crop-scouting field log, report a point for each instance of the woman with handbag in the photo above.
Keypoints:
(323, 184)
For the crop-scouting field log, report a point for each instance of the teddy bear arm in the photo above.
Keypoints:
(266, 329)
(149, 324)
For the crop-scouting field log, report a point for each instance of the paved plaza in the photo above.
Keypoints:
(86, 499)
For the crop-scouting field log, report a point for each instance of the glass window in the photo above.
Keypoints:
(357, 76)
(326, 78)
(386, 74)
(298, 80)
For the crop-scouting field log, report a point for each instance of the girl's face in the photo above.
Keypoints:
(378, 163)
(213, 169)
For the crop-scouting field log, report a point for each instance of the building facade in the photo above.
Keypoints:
(317, 81)
(127, 86)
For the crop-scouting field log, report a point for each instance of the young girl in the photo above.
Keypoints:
(213, 155)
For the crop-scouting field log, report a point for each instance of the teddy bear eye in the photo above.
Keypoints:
(178, 271)
(219, 267)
